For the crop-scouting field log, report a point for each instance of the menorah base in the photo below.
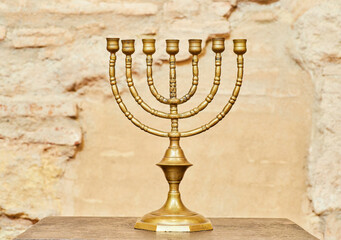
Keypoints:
(174, 223)
(173, 216)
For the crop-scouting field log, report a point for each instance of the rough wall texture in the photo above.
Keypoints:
(318, 50)
(66, 149)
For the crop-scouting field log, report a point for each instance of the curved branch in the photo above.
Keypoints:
(123, 107)
(135, 94)
(212, 93)
(228, 106)
(195, 80)
(150, 81)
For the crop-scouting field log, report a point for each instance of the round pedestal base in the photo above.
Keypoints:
(174, 223)
(174, 216)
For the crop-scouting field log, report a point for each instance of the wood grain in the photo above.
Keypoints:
(94, 228)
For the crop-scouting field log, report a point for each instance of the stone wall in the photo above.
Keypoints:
(66, 149)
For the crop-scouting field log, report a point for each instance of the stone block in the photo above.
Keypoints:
(10, 107)
(31, 179)
(40, 37)
(83, 7)
(12, 227)
(58, 130)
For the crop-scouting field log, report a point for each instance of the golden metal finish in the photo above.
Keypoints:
(173, 215)
(149, 50)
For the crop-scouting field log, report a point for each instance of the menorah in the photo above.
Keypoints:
(173, 215)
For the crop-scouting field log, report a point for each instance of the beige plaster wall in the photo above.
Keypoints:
(66, 149)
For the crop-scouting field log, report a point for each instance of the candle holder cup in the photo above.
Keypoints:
(173, 215)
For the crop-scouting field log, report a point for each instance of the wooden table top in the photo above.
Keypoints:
(123, 228)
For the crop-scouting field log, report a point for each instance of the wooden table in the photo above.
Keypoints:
(122, 228)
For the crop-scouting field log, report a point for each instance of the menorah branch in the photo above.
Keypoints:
(195, 50)
(240, 65)
(113, 48)
(150, 81)
(210, 96)
(195, 80)
(149, 50)
(128, 49)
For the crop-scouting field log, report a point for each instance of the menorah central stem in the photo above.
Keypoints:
(172, 49)
(172, 92)
(172, 77)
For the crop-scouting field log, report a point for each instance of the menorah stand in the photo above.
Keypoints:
(174, 216)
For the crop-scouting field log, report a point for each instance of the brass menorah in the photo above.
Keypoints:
(173, 215)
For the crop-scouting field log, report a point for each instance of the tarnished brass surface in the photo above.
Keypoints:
(173, 215)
